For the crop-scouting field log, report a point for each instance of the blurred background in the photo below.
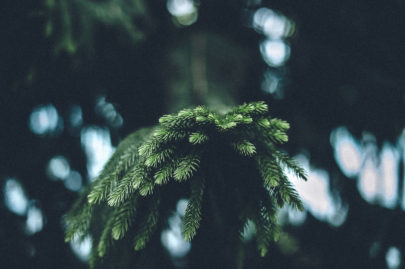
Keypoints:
(79, 75)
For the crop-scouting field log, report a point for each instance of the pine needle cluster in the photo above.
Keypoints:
(195, 147)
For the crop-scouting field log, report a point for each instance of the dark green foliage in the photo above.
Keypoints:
(72, 23)
(192, 217)
(147, 226)
(195, 146)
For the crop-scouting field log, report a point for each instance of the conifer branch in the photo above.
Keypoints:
(290, 164)
(186, 167)
(264, 232)
(244, 147)
(180, 146)
(123, 217)
(192, 217)
(166, 172)
(147, 227)
(105, 239)
(78, 225)
(198, 138)
(78, 218)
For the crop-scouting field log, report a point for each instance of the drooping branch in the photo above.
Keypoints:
(179, 150)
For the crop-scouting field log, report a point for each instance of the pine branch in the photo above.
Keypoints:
(252, 109)
(186, 167)
(264, 233)
(270, 171)
(183, 120)
(105, 239)
(290, 163)
(146, 187)
(124, 189)
(280, 125)
(177, 148)
(122, 160)
(156, 159)
(147, 227)
(288, 194)
(78, 218)
(244, 147)
(123, 217)
(78, 225)
(163, 175)
(198, 138)
(165, 135)
(192, 217)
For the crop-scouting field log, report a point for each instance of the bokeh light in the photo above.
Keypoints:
(73, 181)
(272, 24)
(58, 168)
(45, 120)
(96, 143)
(316, 195)
(181, 207)
(172, 238)
(107, 111)
(291, 216)
(275, 52)
(368, 181)
(82, 248)
(376, 171)
(14, 197)
(296, 217)
(35, 220)
(75, 116)
(184, 12)
(389, 171)
(348, 153)
(272, 84)
(393, 258)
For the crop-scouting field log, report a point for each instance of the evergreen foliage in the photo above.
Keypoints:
(72, 24)
(196, 146)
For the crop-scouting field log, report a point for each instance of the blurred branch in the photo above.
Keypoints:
(199, 65)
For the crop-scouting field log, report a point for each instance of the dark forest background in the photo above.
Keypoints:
(73, 71)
